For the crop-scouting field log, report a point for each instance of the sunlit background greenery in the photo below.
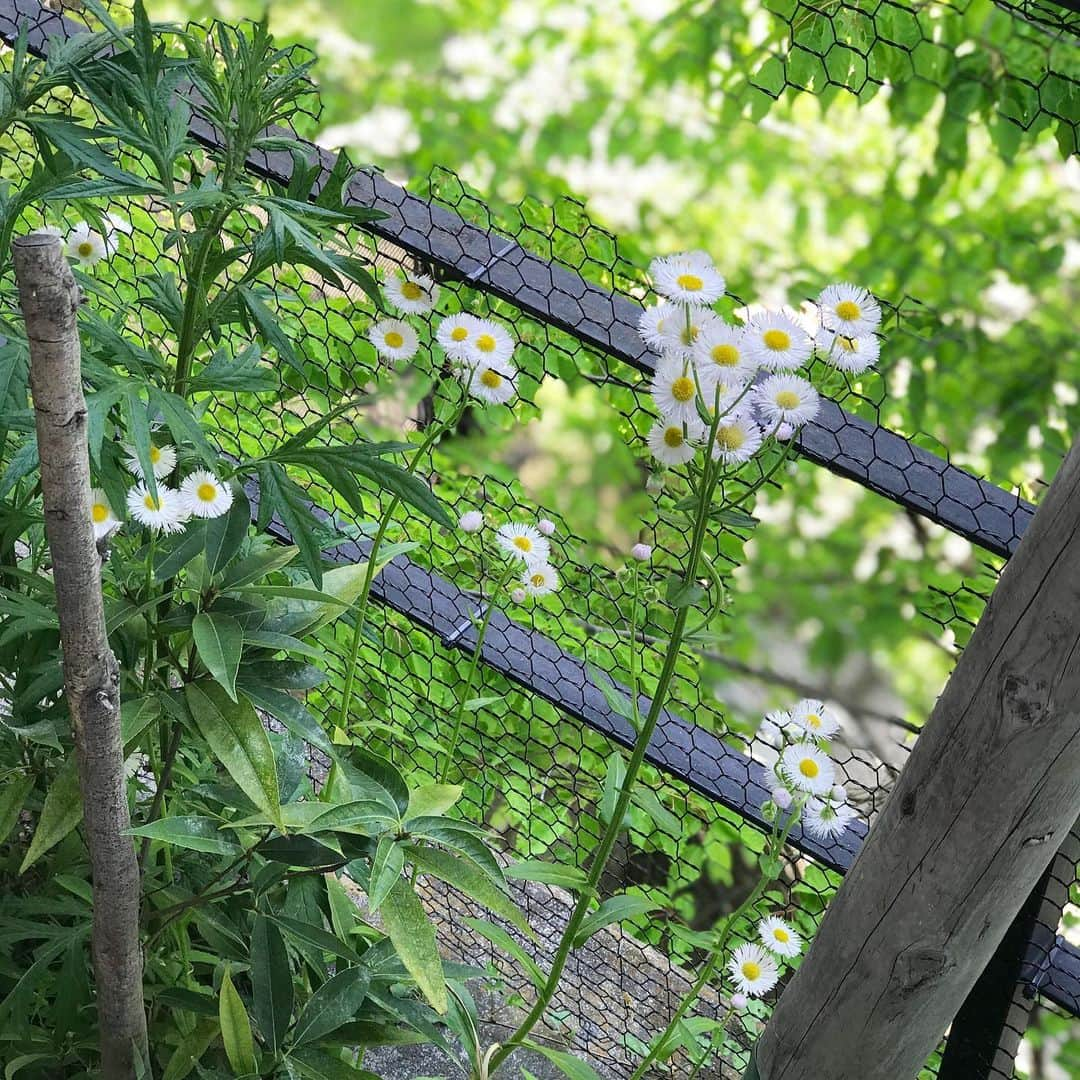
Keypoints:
(651, 112)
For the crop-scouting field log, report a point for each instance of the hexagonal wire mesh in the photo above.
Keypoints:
(535, 756)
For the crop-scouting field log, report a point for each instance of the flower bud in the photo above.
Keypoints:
(839, 793)
(641, 552)
(769, 733)
(546, 527)
(738, 1001)
(518, 596)
(471, 521)
(782, 797)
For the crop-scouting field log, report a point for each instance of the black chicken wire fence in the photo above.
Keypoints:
(536, 756)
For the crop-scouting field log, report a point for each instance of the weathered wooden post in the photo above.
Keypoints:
(988, 796)
(50, 299)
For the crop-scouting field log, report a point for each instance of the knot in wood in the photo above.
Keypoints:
(1022, 702)
(919, 966)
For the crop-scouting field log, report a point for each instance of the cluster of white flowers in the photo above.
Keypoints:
(529, 545)
(805, 774)
(755, 967)
(480, 351)
(745, 374)
(201, 495)
(87, 246)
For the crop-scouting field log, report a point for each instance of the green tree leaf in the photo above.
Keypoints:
(219, 639)
(502, 940)
(191, 1048)
(235, 1029)
(567, 1064)
(62, 812)
(271, 982)
(333, 1004)
(12, 799)
(431, 800)
(239, 741)
(414, 941)
(319, 1065)
(386, 869)
(192, 832)
(614, 909)
(278, 494)
(549, 873)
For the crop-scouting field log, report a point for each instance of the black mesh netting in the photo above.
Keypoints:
(536, 753)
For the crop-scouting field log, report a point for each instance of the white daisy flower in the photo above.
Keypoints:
(492, 383)
(682, 331)
(651, 323)
(674, 390)
(115, 224)
(539, 579)
(471, 521)
(720, 352)
(815, 718)
(787, 399)
(523, 542)
(689, 278)
(85, 245)
(737, 439)
(851, 354)
(824, 819)
(394, 339)
(849, 309)
(455, 332)
(669, 443)
(205, 496)
(162, 460)
(753, 970)
(411, 294)
(779, 937)
(776, 342)
(807, 768)
(166, 513)
(838, 793)
(489, 345)
(101, 514)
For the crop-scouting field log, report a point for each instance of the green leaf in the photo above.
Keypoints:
(367, 817)
(191, 1048)
(269, 328)
(341, 588)
(292, 713)
(502, 940)
(258, 565)
(406, 486)
(471, 880)
(239, 741)
(414, 941)
(299, 851)
(182, 423)
(431, 800)
(737, 519)
(316, 936)
(136, 715)
(192, 832)
(235, 1029)
(61, 813)
(268, 639)
(386, 869)
(614, 909)
(170, 560)
(335, 1003)
(550, 873)
(12, 797)
(271, 982)
(319, 1065)
(681, 594)
(278, 494)
(660, 815)
(567, 1064)
(225, 534)
(220, 641)
(21, 463)
(236, 373)
(618, 701)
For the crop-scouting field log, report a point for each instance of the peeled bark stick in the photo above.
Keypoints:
(50, 298)
(987, 797)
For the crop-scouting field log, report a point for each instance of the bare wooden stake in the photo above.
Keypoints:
(50, 298)
(987, 797)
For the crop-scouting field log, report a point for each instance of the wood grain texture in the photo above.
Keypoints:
(988, 796)
(49, 299)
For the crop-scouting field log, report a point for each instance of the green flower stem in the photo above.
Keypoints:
(716, 954)
(431, 436)
(474, 664)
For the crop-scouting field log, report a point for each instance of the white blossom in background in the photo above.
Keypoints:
(164, 512)
(787, 399)
(753, 970)
(383, 132)
(162, 461)
(807, 768)
(641, 552)
(519, 596)
(394, 339)
(720, 352)
(815, 718)
(827, 819)
(776, 342)
(454, 333)
(205, 496)
(851, 354)
(849, 310)
(689, 278)
(779, 937)
(669, 443)
(85, 246)
(738, 438)
(674, 389)
(101, 514)
(540, 579)
(651, 323)
(411, 294)
(523, 542)
(546, 527)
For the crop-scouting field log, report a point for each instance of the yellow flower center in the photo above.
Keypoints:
(787, 399)
(730, 437)
(491, 379)
(459, 333)
(846, 343)
(537, 580)
(690, 282)
(751, 971)
(813, 720)
(682, 389)
(781, 934)
(99, 512)
(809, 768)
(689, 334)
(523, 543)
(485, 343)
(777, 340)
(725, 355)
(673, 437)
(847, 310)
(86, 249)
(394, 340)
(155, 455)
(206, 492)
(411, 291)
(150, 502)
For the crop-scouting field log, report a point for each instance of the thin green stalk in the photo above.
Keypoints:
(470, 676)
